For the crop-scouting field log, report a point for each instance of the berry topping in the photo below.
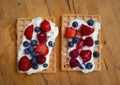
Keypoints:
(80, 44)
(24, 64)
(75, 24)
(74, 53)
(25, 43)
(45, 26)
(26, 51)
(28, 32)
(45, 65)
(74, 63)
(70, 44)
(40, 59)
(90, 22)
(35, 66)
(85, 55)
(96, 42)
(42, 49)
(33, 60)
(31, 49)
(85, 30)
(82, 66)
(89, 66)
(42, 37)
(51, 43)
(71, 32)
(37, 29)
(34, 54)
(75, 39)
(88, 41)
(33, 42)
(96, 54)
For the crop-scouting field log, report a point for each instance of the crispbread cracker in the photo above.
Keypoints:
(21, 24)
(66, 18)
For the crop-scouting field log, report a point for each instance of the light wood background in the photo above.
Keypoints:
(109, 10)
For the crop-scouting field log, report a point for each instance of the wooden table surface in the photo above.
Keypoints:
(109, 10)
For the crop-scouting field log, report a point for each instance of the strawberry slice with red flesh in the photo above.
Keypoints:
(28, 32)
(45, 26)
(24, 64)
(74, 63)
(88, 41)
(74, 53)
(42, 49)
(71, 32)
(42, 37)
(85, 55)
(80, 44)
(40, 59)
(86, 30)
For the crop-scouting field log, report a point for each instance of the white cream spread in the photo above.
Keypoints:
(51, 36)
(94, 36)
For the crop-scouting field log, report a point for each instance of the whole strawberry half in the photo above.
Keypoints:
(85, 55)
(40, 59)
(28, 32)
(42, 37)
(42, 49)
(24, 64)
(74, 53)
(88, 41)
(45, 26)
(80, 44)
(71, 32)
(85, 30)
(74, 63)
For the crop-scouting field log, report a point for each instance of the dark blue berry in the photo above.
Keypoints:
(96, 54)
(25, 43)
(75, 24)
(34, 54)
(31, 49)
(70, 44)
(82, 66)
(33, 60)
(37, 29)
(90, 22)
(45, 65)
(33, 42)
(34, 65)
(26, 51)
(89, 66)
(75, 40)
(51, 43)
(96, 42)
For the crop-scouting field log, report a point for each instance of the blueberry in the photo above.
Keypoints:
(96, 54)
(25, 43)
(90, 22)
(45, 65)
(51, 43)
(82, 66)
(96, 42)
(70, 44)
(75, 40)
(75, 24)
(89, 66)
(31, 49)
(33, 60)
(34, 54)
(34, 65)
(26, 51)
(37, 29)
(33, 42)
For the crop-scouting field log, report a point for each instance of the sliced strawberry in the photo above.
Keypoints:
(45, 26)
(88, 41)
(40, 59)
(74, 53)
(71, 32)
(24, 64)
(42, 37)
(80, 44)
(85, 55)
(28, 32)
(42, 49)
(85, 30)
(74, 63)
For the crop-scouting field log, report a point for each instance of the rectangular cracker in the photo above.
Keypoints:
(66, 18)
(21, 24)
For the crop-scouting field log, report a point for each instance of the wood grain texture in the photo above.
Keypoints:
(109, 10)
